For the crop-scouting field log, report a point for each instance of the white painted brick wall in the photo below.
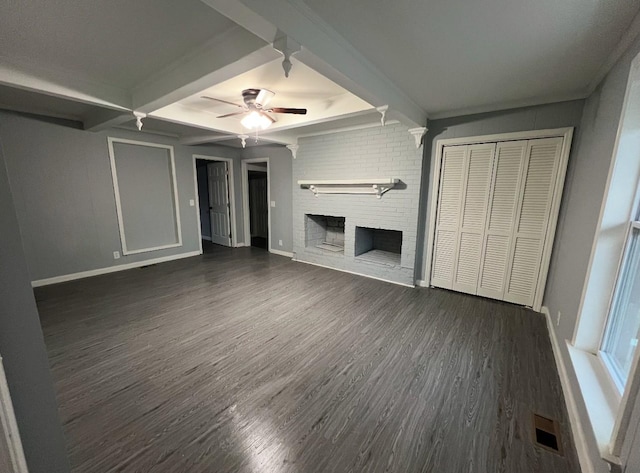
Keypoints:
(379, 152)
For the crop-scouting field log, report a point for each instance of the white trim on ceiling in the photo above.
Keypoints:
(348, 128)
(503, 106)
(323, 49)
(625, 42)
(223, 57)
(192, 140)
(23, 74)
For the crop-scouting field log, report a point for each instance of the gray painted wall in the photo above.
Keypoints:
(579, 214)
(280, 167)
(22, 348)
(64, 197)
(586, 181)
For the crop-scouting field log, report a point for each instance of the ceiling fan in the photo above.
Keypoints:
(255, 108)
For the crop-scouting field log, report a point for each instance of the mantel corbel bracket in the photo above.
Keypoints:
(383, 114)
(380, 189)
(294, 150)
(418, 134)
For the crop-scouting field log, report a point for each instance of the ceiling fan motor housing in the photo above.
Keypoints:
(256, 98)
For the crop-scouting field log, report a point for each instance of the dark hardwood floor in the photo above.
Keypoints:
(242, 361)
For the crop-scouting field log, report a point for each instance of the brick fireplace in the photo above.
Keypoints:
(362, 234)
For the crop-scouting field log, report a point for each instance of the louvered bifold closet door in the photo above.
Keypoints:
(508, 168)
(532, 218)
(454, 159)
(475, 195)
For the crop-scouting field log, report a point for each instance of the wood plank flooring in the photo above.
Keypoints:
(242, 361)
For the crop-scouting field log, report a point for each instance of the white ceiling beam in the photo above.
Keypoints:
(296, 127)
(191, 140)
(234, 52)
(324, 50)
(105, 118)
(208, 122)
(63, 84)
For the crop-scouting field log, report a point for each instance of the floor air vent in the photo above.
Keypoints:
(546, 434)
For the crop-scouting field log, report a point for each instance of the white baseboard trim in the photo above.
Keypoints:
(422, 283)
(242, 245)
(110, 269)
(205, 237)
(357, 274)
(281, 253)
(577, 426)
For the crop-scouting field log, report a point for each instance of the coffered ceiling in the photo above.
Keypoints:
(98, 62)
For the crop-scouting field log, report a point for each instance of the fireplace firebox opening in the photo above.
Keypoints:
(325, 232)
(377, 245)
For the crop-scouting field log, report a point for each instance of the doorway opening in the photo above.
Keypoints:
(215, 199)
(256, 197)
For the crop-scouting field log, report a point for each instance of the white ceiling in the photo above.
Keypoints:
(32, 102)
(458, 55)
(116, 42)
(304, 88)
(97, 61)
(163, 127)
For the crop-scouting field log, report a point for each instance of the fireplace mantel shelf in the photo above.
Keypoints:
(375, 187)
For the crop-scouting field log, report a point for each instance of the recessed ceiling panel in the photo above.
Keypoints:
(304, 88)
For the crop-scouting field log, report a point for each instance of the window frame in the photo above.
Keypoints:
(603, 356)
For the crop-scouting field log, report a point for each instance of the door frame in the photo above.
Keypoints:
(232, 199)
(9, 432)
(434, 188)
(245, 198)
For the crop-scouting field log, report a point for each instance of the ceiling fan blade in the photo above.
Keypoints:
(232, 114)
(263, 98)
(222, 101)
(262, 113)
(295, 111)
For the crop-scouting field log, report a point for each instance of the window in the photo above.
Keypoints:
(621, 333)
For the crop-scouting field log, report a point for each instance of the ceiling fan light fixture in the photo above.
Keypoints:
(256, 121)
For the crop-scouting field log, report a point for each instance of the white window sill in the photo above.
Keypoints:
(600, 395)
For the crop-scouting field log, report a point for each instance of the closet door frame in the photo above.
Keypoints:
(565, 133)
